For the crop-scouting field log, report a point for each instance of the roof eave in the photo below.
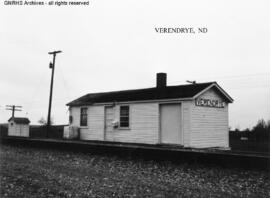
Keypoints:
(133, 101)
(78, 104)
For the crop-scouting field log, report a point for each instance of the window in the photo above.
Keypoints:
(124, 116)
(70, 119)
(83, 120)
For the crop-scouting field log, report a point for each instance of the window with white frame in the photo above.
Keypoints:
(124, 116)
(83, 117)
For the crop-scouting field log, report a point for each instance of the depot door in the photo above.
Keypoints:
(108, 123)
(170, 124)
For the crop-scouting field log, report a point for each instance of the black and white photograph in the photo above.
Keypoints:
(130, 98)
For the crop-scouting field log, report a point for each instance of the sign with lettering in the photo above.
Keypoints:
(210, 103)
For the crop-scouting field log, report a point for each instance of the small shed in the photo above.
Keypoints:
(18, 127)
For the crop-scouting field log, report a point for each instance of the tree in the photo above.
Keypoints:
(237, 129)
(260, 126)
(261, 131)
(247, 130)
(42, 121)
(268, 125)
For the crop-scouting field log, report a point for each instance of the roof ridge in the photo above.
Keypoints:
(106, 92)
(20, 117)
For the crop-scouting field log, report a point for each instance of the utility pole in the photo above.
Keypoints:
(52, 66)
(13, 108)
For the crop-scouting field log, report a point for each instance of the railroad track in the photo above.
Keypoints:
(226, 158)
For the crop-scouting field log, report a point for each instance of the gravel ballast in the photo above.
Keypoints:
(33, 172)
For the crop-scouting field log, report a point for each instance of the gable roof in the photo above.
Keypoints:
(187, 91)
(19, 120)
(217, 88)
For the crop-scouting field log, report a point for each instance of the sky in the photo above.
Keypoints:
(113, 45)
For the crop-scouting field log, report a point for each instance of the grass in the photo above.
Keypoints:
(32, 172)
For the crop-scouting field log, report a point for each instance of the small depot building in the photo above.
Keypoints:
(192, 115)
(18, 127)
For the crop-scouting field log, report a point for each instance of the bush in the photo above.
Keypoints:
(55, 132)
(258, 139)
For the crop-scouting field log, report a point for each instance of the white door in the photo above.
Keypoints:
(170, 126)
(108, 122)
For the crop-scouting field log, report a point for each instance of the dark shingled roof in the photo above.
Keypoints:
(169, 92)
(20, 120)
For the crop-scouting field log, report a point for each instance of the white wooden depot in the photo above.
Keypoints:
(184, 122)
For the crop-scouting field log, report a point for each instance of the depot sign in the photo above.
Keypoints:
(209, 103)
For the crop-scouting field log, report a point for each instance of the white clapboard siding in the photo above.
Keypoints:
(209, 126)
(186, 108)
(18, 129)
(12, 129)
(95, 122)
(144, 125)
(24, 130)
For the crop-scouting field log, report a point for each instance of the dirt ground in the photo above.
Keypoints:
(31, 172)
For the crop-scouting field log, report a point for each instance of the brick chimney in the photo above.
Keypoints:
(161, 80)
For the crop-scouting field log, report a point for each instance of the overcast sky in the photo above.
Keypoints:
(112, 45)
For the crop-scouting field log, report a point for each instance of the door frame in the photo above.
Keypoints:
(181, 121)
(105, 117)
